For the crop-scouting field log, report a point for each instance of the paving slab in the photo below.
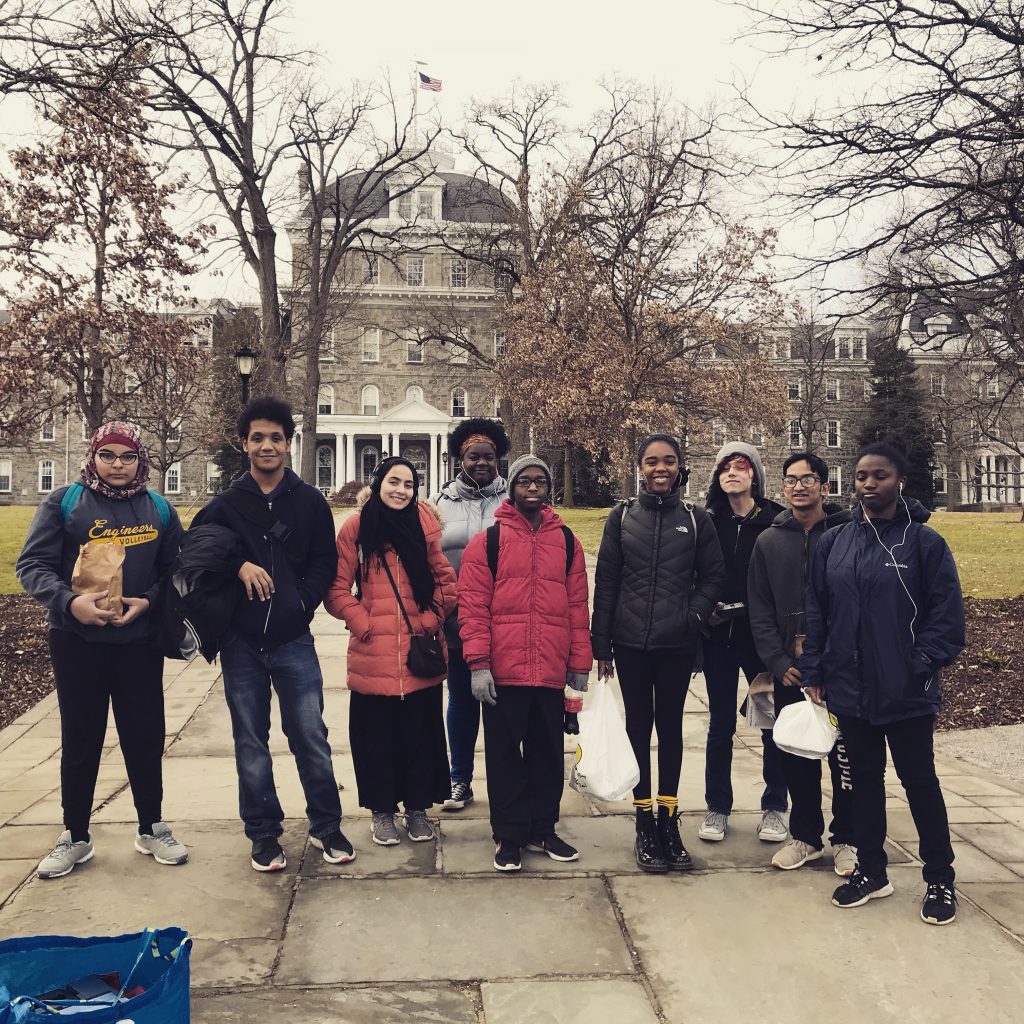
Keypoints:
(972, 785)
(605, 844)
(1004, 842)
(974, 866)
(224, 963)
(407, 858)
(460, 930)
(13, 873)
(716, 927)
(355, 1006)
(1003, 902)
(567, 1002)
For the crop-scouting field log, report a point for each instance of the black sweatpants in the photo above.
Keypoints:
(654, 685)
(523, 754)
(803, 780)
(910, 743)
(90, 678)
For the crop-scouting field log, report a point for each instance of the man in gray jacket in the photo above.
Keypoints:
(775, 594)
(467, 505)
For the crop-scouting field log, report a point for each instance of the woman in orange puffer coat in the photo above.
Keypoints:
(396, 726)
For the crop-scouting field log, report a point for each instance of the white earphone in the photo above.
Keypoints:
(892, 554)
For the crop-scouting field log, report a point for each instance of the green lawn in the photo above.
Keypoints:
(989, 547)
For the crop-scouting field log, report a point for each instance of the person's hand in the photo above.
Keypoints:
(133, 608)
(605, 668)
(716, 619)
(482, 685)
(817, 694)
(85, 608)
(792, 676)
(257, 581)
(577, 680)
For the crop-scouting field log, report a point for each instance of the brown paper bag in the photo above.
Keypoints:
(99, 570)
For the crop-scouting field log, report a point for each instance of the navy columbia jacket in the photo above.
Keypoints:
(882, 616)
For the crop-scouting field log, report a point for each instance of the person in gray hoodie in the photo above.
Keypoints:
(775, 594)
(103, 655)
(467, 505)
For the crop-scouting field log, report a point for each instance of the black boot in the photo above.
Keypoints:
(649, 854)
(672, 842)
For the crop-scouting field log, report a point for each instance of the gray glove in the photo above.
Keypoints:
(482, 685)
(577, 680)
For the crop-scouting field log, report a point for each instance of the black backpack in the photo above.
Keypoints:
(493, 533)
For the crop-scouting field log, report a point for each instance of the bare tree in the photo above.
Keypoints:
(811, 340)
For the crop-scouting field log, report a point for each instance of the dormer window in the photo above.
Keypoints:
(425, 204)
(405, 206)
(938, 325)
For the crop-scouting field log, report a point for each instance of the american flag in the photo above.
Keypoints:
(426, 82)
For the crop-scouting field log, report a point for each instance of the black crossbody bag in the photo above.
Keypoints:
(426, 654)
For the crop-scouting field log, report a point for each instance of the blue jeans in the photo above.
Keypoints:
(463, 717)
(722, 676)
(294, 672)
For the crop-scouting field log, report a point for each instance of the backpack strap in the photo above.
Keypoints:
(570, 548)
(257, 511)
(75, 491)
(492, 535)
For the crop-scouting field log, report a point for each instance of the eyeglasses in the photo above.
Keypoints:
(527, 484)
(109, 458)
(807, 480)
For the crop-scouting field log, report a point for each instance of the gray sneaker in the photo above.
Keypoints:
(417, 824)
(62, 859)
(773, 828)
(161, 845)
(383, 830)
(713, 827)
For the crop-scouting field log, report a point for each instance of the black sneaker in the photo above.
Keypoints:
(554, 847)
(650, 856)
(507, 857)
(859, 889)
(462, 794)
(267, 855)
(676, 855)
(939, 904)
(337, 849)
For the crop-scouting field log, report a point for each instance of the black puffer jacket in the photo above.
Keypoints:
(656, 583)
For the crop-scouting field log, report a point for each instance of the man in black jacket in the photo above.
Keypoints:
(741, 513)
(776, 597)
(290, 560)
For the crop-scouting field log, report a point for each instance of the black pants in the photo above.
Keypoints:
(803, 780)
(523, 744)
(910, 743)
(654, 685)
(90, 678)
(398, 749)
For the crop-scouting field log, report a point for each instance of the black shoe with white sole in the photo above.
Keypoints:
(336, 848)
(267, 855)
(555, 847)
(939, 904)
(861, 888)
(462, 795)
(507, 857)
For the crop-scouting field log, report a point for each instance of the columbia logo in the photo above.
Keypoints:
(896, 565)
(682, 529)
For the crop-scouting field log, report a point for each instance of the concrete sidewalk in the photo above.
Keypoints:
(425, 932)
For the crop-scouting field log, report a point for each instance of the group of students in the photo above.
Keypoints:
(486, 586)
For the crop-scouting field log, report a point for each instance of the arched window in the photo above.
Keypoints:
(418, 457)
(325, 469)
(369, 400)
(460, 405)
(415, 392)
(325, 400)
(368, 459)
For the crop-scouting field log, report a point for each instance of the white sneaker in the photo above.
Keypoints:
(161, 845)
(844, 857)
(773, 828)
(714, 827)
(65, 855)
(794, 855)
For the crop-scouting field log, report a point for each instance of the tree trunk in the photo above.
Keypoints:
(568, 498)
(308, 405)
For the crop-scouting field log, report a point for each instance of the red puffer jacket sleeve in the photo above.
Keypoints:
(476, 589)
(340, 601)
(581, 658)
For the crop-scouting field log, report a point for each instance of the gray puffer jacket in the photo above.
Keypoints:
(465, 510)
(656, 582)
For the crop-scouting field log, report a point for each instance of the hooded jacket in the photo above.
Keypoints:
(884, 614)
(300, 581)
(466, 510)
(378, 643)
(775, 587)
(656, 582)
(528, 623)
(47, 560)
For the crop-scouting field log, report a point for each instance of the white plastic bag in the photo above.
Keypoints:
(606, 767)
(805, 729)
(760, 703)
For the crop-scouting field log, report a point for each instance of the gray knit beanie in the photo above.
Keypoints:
(525, 462)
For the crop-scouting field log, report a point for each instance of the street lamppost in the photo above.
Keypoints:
(244, 359)
(444, 459)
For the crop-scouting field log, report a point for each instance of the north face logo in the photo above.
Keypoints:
(682, 529)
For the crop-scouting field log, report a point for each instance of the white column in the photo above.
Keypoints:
(383, 446)
(351, 469)
(297, 451)
(433, 458)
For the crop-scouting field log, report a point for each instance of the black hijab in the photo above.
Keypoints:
(382, 527)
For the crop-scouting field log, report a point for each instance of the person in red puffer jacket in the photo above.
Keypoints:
(525, 636)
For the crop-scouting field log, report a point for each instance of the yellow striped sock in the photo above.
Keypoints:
(671, 803)
(645, 804)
